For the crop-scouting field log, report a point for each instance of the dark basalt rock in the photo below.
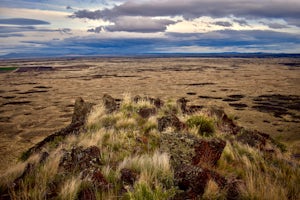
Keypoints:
(79, 159)
(170, 121)
(43, 157)
(208, 152)
(192, 180)
(99, 180)
(225, 124)
(182, 104)
(109, 103)
(128, 176)
(87, 193)
(81, 111)
(253, 138)
(146, 112)
(157, 102)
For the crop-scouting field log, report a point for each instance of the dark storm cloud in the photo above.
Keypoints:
(193, 8)
(230, 39)
(23, 21)
(223, 23)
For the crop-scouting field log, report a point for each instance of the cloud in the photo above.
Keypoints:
(23, 21)
(190, 9)
(241, 22)
(216, 41)
(139, 24)
(223, 23)
(11, 35)
(274, 25)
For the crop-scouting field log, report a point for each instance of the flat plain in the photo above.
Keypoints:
(37, 96)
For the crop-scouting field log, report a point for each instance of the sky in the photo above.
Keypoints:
(41, 28)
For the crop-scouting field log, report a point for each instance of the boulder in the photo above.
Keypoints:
(109, 103)
(128, 176)
(87, 193)
(81, 110)
(170, 121)
(99, 180)
(253, 138)
(80, 113)
(146, 112)
(181, 103)
(192, 180)
(225, 124)
(208, 152)
(79, 159)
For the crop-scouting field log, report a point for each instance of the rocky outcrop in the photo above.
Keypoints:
(109, 103)
(128, 176)
(80, 160)
(146, 112)
(80, 113)
(157, 102)
(208, 152)
(253, 138)
(181, 103)
(194, 159)
(192, 180)
(170, 121)
(87, 193)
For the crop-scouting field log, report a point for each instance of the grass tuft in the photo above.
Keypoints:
(204, 125)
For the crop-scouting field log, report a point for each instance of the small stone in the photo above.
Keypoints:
(128, 176)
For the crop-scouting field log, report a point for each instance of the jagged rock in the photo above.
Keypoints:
(208, 151)
(192, 180)
(128, 176)
(87, 193)
(225, 124)
(218, 179)
(170, 121)
(146, 112)
(99, 180)
(109, 103)
(137, 98)
(194, 108)
(80, 113)
(233, 191)
(81, 110)
(79, 159)
(157, 102)
(181, 103)
(43, 157)
(180, 147)
(27, 171)
(253, 138)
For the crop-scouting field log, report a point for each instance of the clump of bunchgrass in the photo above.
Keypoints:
(204, 125)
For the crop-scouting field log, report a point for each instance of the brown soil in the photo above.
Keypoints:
(37, 99)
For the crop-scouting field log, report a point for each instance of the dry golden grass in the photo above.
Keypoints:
(133, 142)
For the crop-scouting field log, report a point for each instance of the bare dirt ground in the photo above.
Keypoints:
(37, 98)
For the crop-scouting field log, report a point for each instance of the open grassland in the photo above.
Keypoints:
(37, 96)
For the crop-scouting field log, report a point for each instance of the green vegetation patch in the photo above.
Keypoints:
(205, 125)
(4, 69)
